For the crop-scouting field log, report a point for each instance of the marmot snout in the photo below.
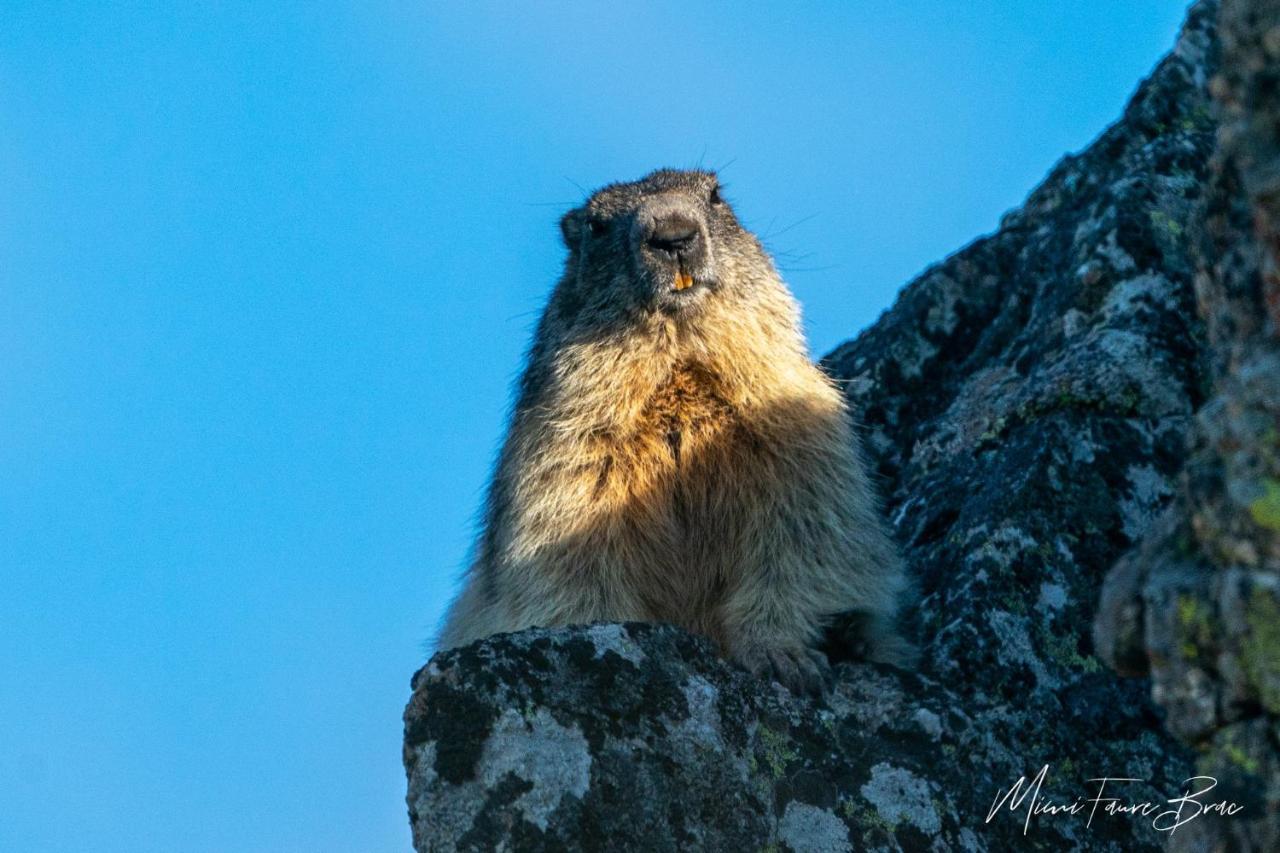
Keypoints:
(674, 455)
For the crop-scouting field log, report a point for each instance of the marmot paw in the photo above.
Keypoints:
(801, 670)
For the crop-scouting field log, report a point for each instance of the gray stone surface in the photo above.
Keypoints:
(1027, 403)
(1197, 604)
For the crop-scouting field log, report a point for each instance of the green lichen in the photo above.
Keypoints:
(1126, 402)
(1266, 509)
(1241, 759)
(1200, 118)
(1227, 746)
(1130, 399)
(869, 818)
(1196, 626)
(1165, 224)
(1065, 651)
(875, 821)
(777, 751)
(1260, 649)
(994, 431)
(1269, 448)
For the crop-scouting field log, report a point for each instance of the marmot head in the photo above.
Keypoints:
(665, 244)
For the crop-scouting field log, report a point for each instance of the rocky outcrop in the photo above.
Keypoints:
(1197, 604)
(1027, 403)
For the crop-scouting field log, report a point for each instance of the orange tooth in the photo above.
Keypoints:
(683, 281)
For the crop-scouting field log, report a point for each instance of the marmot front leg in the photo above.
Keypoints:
(772, 625)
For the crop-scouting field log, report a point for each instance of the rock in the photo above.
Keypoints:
(1027, 403)
(1197, 604)
(634, 736)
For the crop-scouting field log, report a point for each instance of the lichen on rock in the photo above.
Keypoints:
(1196, 606)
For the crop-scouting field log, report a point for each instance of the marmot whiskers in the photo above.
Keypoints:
(675, 456)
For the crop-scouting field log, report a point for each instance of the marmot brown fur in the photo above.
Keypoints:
(674, 455)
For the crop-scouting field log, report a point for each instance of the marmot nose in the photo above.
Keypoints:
(675, 235)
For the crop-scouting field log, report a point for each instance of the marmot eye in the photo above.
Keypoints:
(598, 227)
(715, 198)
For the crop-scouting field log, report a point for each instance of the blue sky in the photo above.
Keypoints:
(266, 274)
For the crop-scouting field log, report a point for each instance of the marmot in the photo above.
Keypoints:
(674, 454)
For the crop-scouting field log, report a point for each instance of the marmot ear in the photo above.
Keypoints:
(571, 228)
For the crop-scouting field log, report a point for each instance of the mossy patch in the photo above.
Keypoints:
(1199, 118)
(778, 752)
(1266, 509)
(1064, 649)
(1166, 224)
(1261, 647)
(1237, 756)
(1196, 626)
(876, 829)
